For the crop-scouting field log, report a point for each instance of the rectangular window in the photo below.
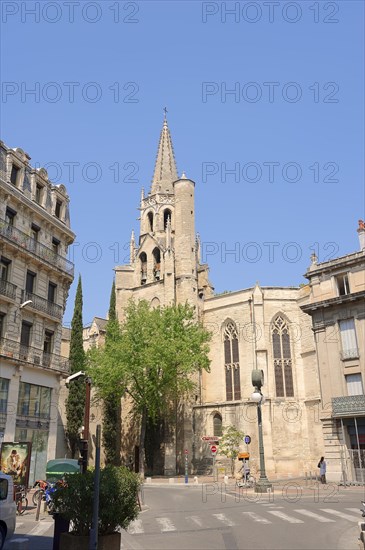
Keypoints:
(34, 400)
(4, 268)
(4, 390)
(14, 174)
(348, 339)
(55, 245)
(29, 283)
(2, 324)
(34, 231)
(38, 193)
(48, 340)
(58, 209)
(9, 216)
(343, 285)
(354, 384)
(52, 292)
(25, 334)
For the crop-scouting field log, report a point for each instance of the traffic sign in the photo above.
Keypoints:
(213, 448)
(247, 439)
(186, 451)
(210, 438)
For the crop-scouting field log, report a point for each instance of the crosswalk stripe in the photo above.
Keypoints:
(315, 516)
(257, 518)
(340, 514)
(224, 519)
(356, 510)
(135, 527)
(41, 528)
(196, 520)
(283, 516)
(166, 524)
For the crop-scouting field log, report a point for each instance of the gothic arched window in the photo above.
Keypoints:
(156, 264)
(217, 425)
(282, 358)
(232, 362)
(166, 215)
(150, 221)
(143, 260)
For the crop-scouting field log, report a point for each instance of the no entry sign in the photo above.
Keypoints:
(213, 448)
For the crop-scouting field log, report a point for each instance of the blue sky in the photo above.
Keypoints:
(293, 130)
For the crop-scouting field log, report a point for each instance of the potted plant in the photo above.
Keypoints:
(118, 506)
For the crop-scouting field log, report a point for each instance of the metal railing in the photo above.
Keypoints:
(8, 289)
(28, 354)
(43, 252)
(41, 304)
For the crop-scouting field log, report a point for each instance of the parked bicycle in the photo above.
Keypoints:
(21, 500)
(244, 478)
(40, 493)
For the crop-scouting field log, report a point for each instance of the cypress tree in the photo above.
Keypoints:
(111, 404)
(75, 403)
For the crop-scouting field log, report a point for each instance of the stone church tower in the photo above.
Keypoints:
(164, 266)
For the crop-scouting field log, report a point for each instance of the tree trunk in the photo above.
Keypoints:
(142, 440)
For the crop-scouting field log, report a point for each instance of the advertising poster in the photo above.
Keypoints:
(15, 460)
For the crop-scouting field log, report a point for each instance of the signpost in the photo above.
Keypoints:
(210, 438)
(247, 439)
(186, 467)
(214, 449)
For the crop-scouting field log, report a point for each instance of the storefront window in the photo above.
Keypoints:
(38, 458)
(34, 401)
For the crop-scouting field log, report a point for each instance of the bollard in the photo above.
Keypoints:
(149, 480)
(172, 480)
(225, 479)
(196, 480)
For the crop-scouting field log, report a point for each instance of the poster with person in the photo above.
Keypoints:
(15, 460)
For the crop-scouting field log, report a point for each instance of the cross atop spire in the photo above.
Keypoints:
(165, 168)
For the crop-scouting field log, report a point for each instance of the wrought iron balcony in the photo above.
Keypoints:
(7, 289)
(348, 405)
(350, 354)
(37, 357)
(46, 254)
(41, 304)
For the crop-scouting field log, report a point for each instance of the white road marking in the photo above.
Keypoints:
(340, 514)
(135, 527)
(317, 517)
(283, 516)
(41, 528)
(196, 520)
(224, 519)
(356, 510)
(166, 524)
(272, 505)
(257, 518)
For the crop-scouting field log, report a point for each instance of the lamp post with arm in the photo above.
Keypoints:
(263, 484)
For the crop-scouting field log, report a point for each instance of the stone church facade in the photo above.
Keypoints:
(258, 327)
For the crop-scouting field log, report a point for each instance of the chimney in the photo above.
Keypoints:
(361, 232)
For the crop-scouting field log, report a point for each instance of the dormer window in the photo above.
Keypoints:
(14, 176)
(38, 193)
(58, 208)
(343, 286)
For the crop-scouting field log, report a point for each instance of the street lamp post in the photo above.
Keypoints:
(85, 441)
(263, 484)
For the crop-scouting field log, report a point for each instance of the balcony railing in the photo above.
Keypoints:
(41, 304)
(17, 351)
(350, 405)
(7, 289)
(350, 354)
(43, 252)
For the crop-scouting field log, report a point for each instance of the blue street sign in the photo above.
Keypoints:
(247, 439)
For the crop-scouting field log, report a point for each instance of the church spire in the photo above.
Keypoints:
(165, 168)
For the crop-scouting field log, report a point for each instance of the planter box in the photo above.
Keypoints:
(74, 542)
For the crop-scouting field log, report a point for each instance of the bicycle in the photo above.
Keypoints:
(247, 483)
(21, 499)
(40, 493)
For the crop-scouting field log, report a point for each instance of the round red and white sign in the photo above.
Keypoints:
(213, 448)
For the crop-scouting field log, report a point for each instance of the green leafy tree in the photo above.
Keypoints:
(152, 358)
(75, 403)
(111, 401)
(229, 444)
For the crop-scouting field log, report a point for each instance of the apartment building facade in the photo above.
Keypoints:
(336, 304)
(35, 277)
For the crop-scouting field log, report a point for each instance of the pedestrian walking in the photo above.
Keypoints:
(322, 469)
